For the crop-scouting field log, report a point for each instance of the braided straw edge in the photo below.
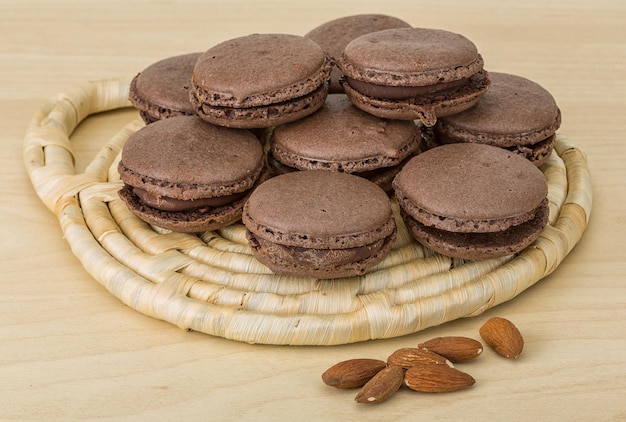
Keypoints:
(211, 284)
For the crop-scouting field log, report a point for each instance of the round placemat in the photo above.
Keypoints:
(211, 283)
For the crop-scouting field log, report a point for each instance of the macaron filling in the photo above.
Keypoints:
(165, 203)
(268, 114)
(331, 257)
(537, 153)
(403, 92)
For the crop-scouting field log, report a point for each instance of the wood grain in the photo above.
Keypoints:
(71, 351)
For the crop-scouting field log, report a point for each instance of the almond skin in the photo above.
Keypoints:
(436, 379)
(503, 336)
(454, 348)
(352, 373)
(411, 356)
(382, 386)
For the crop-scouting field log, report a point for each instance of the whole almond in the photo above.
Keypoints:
(454, 348)
(352, 373)
(503, 336)
(382, 386)
(436, 379)
(411, 356)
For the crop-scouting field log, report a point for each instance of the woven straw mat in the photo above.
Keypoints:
(211, 283)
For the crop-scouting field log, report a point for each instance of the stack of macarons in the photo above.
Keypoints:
(361, 111)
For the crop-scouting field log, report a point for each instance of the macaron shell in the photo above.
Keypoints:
(334, 35)
(474, 246)
(260, 69)
(536, 153)
(514, 111)
(470, 188)
(319, 209)
(186, 158)
(410, 57)
(342, 137)
(161, 90)
(382, 177)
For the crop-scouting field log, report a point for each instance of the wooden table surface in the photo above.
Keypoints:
(71, 351)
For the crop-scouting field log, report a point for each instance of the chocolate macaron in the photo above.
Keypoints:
(341, 137)
(161, 90)
(413, 73)
(334, 35)
(319, 224)
(260, 80)
(472, 201)
(187, 175)
(516, 113)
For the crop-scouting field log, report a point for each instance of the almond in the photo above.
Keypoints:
(352, 373)
(411, 356)
(382, 386)
(503, 336)
(436, 379)
(454, 348)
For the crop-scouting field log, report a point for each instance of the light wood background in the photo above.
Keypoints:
(71, 351)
